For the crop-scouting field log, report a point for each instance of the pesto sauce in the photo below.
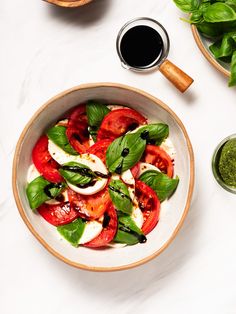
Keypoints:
(227, 163)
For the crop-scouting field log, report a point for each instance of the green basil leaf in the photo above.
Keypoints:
(73, 231)
(116, 160)
(128, 232)
(120, 197)
(232, 81)
(35, 191)
(219, 12)
(225, 47)
(157, 132)
(160, 183)
(95, 113)
(57, 134)
(232, 4)
(187, 6)
(76, 173)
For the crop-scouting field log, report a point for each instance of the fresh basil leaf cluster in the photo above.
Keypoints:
(73, 231)
(127, 150)
(76, 173)
(215, 19)
(57, 135)
(163, 185)
(120, 197)
(128, 232)
(95, 113)
(40, 190)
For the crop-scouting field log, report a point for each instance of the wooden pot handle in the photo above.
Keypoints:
(175, 75)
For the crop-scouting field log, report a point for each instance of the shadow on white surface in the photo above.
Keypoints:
(84, 15)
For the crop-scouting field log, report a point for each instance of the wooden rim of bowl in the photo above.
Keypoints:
(21, 209)
(69, 3)
(206, 53)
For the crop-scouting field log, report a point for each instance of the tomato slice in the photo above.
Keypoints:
(44, 162)
(77, 131)
(135, 170)
(90, 206)
(156, 156)
(149, 204)
(58, 214)
(118, 122)
(99, 149)
(109, 230)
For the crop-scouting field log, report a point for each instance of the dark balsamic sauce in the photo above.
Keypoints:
(141, 46)
(125, 152)
(123, 195)
(106, 220)
(51, 186)
(141, 237)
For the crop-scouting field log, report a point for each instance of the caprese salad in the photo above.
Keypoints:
(100, 174)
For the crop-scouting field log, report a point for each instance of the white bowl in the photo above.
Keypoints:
(173, 211)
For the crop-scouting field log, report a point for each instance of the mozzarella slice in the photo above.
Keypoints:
(115, 107)
(144, 166)
(127, 177)
(55, 202)
(32, 173)
(137, 216)
(89, 160)
(63, 122)
(91, 231)
(91, 141)
(168, 146)
(59, 154)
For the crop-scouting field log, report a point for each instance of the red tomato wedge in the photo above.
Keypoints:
(149, 204)
(99, 149)
(90, 206)
(109, 230)
(135, 170)
(58, 214)
(156, 156)
(118, 122)
(44, 162)
(77, 131)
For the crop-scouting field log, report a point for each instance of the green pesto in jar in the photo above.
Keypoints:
(227, 163)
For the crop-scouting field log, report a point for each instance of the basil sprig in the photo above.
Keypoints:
(156, 133)
(125, 152)
(120, 197)
(95, 113)
(73, 231)
(40, 190)
(163, 185)
(76, 173)
(128, 232)
(57, 135)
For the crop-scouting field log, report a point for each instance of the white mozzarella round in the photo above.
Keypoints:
(91, 141)
(59, 154)
(63, 122)
(55, 202)
(91, 231)
(32, 173)
(89, 160)
(127, 177)
(144, 166)
(137, 216)
(168, 147)
(115, 107)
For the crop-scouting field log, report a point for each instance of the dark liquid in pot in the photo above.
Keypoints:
(141, 46)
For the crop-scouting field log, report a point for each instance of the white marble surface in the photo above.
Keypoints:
(45, 50)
